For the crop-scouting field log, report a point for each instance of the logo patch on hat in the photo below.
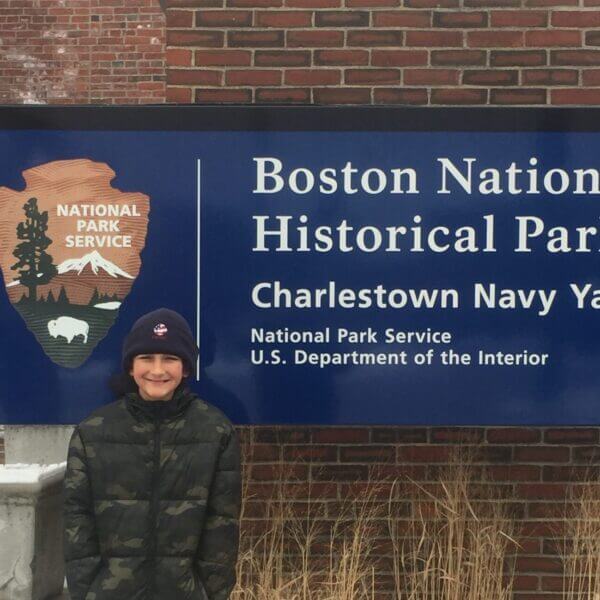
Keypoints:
(160, 330)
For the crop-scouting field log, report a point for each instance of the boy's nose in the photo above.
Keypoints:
(157, 364)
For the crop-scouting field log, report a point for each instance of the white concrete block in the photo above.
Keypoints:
(31, 556)
(36, 444)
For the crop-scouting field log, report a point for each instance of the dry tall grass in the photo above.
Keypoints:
(456, 545)
(581, 550)
(451, 546)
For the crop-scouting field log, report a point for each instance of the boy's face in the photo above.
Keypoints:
(157, 375)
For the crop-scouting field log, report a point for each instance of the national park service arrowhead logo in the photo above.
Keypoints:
(70, 248)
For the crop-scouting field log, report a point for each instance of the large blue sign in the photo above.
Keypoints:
(339, 266)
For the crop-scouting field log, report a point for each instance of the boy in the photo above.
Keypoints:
(152, 489)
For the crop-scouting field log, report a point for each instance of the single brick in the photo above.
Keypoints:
(553, 584)
(398, 58)
(255, 39)
(492, 3)
(575, 57)
(571, 435)
(281, 58)
(525, 582)
(234, 58)
(519, 18)
(282, 435)
(207, 39)
(538, 563)
(494, 39)
(457, 435)
(520, 96)
(570, 473)
(527, 3)
(584, 454)
(550, 77)
(284, 18)
(263, 453)
(517, 58)
(367, 454)
(330, 435)
(576, 18)
(592, 38)
(341, 57)
(431, 77)
(423, 454)
(491, 77)
(460, 19)
(179, 18)
(401, 19)
(312, 452)
(431, 3)
(339, 472)
(591, 77)
(371, 3)
(342, 95)
(315, 38)
(449, 96)
(553, 38)
(253, 77)
(179, 95)
(514, 472)
(385, 435)
(541, 454)
(194, 77)
(546, 510)
(177, 57)
(375, 38)
(541, 491)
(253, 3)
(331, 18)
(513, 435)
(227, 96)
(313, 3)
(371, 76)
(280, 471)
(223, 18)
(194, 3)
(457, 58)
(434, 38)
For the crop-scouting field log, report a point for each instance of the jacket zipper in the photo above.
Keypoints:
(154, 507)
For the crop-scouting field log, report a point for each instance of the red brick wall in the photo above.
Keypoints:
(536, 468)
(437, 52)
(82, 51)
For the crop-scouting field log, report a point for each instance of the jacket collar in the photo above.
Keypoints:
(139, 407)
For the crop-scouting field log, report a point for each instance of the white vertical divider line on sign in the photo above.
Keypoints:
(198, 215)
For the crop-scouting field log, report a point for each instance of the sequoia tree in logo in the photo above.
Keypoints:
(70, 248)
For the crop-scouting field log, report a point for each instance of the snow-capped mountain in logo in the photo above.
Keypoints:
(96, 262)
(83, 279)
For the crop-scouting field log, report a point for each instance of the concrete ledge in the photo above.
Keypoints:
(36, 444)
(31, 555)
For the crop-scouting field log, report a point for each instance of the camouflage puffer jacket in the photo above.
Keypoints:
(152, 502)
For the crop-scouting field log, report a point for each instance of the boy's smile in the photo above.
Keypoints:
(157, 375)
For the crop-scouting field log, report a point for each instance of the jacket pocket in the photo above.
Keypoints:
(92, 593)
(202, 595)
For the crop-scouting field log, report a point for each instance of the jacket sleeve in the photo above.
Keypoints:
(82, 552)
(217, 553)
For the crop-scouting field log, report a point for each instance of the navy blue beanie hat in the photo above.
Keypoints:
(162, 331)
